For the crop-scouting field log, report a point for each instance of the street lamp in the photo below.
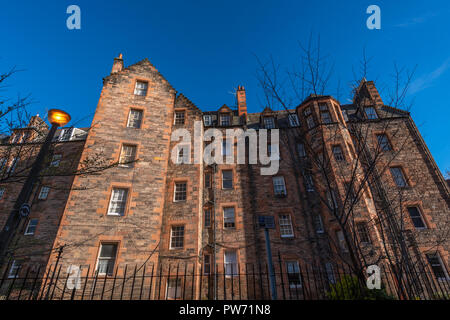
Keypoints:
(21, 209)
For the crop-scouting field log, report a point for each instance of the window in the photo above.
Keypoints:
(230, 263)
(351, 197)
(173, 290)
(279, 187)
(229, 218)
(134, 119)
(383, 142)
(43, 194)
(324, 113)
(207, 120)
(310, 122)
(416, 217)
(177, 237)
(331, 198)
(330, 272)
(398, 176)
(371, 113)
(227, 179)
(226, 148)
(309, 183)
(293, 274)
(318, 223)
(345, 115)
(106, 258)
(224, 120)
(141, 88)
(56, 159)
(293, 120)
(337, 153)
(301, 150)
(437, 266)
(25, 136)
(2, 192)
(269, 123)
(207, 214)
(179, 117)
(183, 155)
(307, 111)
(118, 202)
(66, 134)
(127, 156)
(13, 165)
(31, 227)
(363, 234)
(14, 269)
(180, 191)
(207, 180)
(207, 264)
(286, 230)
(341, 241)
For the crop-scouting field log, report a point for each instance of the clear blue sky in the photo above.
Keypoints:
(207, 48)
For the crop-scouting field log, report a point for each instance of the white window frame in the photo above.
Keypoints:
(230, 258)
(419, 216)
(127, 160)
(114, 259)
(179, 228)
(31, 224)
(176, 118)
(279, 186)
(130, 119)
(442, 265)
(112, 201)
(175, 191)
(285, 224)
(225, 123)
(139, 90)
(176, 289)
(228, 218)
(223, 180)
(56, 160)
(15, 265)
(63, 132)
(207, 122)
(43, 193)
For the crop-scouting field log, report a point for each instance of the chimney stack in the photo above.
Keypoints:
(118, 64)
(241, 101)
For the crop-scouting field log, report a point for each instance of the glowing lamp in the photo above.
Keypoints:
(58, 117)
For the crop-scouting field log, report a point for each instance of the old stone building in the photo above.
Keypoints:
(185, 216)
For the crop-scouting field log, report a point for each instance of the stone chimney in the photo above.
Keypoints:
(241, 101)
(118, 64)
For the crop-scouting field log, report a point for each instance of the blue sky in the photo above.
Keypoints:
(207, 48)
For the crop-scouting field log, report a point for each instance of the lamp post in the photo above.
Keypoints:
(21, 209)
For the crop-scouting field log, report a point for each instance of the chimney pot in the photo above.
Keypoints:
(118, 64)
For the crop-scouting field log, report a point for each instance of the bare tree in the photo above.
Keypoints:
(340, 184)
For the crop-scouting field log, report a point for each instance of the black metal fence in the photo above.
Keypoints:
(189, 281)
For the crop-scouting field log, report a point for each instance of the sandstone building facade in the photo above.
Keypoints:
(149, 210)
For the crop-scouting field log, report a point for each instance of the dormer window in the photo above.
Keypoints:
(207, 120)
(324, 113)
(225, 120)
(141, 88)
(66, 134)
(293, 120)
(371, 113)
(269, 123)
(179, 117)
